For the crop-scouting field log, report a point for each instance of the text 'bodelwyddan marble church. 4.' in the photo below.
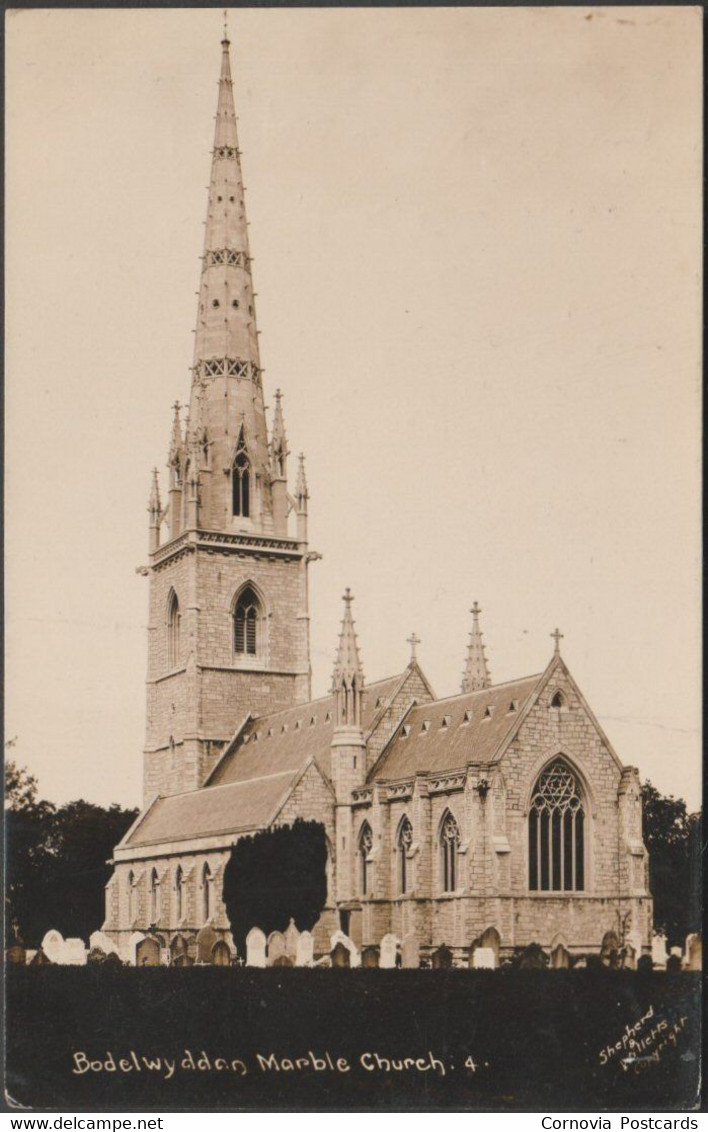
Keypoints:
(504, 807)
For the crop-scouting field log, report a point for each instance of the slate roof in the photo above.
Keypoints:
(452, 744)
(248, 787)
(276, 743)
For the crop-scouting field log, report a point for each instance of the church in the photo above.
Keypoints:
(500, 814)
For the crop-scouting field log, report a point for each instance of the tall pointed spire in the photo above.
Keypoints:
(227, 370)
(476, 674)
(348, 675)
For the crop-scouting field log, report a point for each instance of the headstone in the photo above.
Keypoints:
(580, 963)
(100, 939)
(609, 950)
(111, 962)
(40, 959)
(221, 954)
(75, 952)
(410, 951)
(255, 948)
(389, 950)
(206, 939)
(442, 958)
(340, 956)
(659, 953)
(370, 957)
(283, 961)
(147, 953)
(292, 935)
(276, 947)
(96, 955)
(53, 946)
(633, 949)
(181, 960)
(305, 950)
(533, 958)
(560, 958)
(645, 963)
(491, 938)
(483, 958)
(340, 937)
(131, 951)
(694, 952)
(673, 964)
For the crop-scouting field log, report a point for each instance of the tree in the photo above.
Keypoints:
(56, 858)
(274, 876)
(673, 838)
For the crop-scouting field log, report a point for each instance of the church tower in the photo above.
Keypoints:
(228, 620)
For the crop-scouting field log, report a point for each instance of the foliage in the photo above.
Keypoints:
(56, 857)
(673, 839)
(276, 875)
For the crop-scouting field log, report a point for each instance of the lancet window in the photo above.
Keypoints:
(366, 844)
(180, 892)
(247, 620)
(154, 897)
(557, 832)
(449, 847)
(173, 620)
(207, 882)
(241, 480)
(403, 844)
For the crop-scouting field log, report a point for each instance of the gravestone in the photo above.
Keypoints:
(111, 962)
(694, 952)
(221, 954)
(53, 946)
(389, 950)
(442, 958)
(340, 937)
(560, 958)
(283, 961)
(533, 958)
(484, 959)
(276, 947)
(178, 948)
(305, 950)
(147, 953)
(340, 956)
(96, 955)
(100, 939)
(255, 948)
(491, 938)
(410, 951)
(645, 963)
(130, 956)
(206, 939)
(673, 964)
(659, 953)
(609, 950)
(370, 957)
(580, 963)
(40, 959)
(292, 935)
(633, 949)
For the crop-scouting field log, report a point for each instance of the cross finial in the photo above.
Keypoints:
(413, 641)
(476, 610)
(348, 596)
(557, 637)
(226, 26)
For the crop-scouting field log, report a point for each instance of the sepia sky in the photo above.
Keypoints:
(476, 238)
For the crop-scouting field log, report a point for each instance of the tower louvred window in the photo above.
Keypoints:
(557, 832)
(241, 480)
(246, 619)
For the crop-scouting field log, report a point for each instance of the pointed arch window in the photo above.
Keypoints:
(241, 480)
(403, 845)
(131, 896)
(247, 623)
(154, 897)
(366, 844)
(173, 619)
(557, 832)
(207, 883)
(180, 893)
(449, 847)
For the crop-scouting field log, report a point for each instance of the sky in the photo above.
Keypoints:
(477, 252)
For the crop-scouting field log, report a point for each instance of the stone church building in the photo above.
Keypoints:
(503, 807)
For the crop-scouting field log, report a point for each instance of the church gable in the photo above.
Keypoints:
(390, 710)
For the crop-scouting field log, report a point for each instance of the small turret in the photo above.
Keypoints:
(348, 676)
(348, 752)
(476, 674)
(155, 512)
(279, 469)
(301, 497)
(175, 461)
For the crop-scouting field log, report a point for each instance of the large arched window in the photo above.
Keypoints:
(247, 619)
(180, 893)
(241, 480)
(557, 832)
(207, 882)
(173, 618)
(449, 845)
(366, 844)
(403, 844)
(154, 897)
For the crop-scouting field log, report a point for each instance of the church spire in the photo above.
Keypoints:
(155, 511)
(227, 388)
(476, 674)
(348, 676)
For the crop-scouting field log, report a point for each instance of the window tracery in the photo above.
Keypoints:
(557, 832)
(449, 846)
(247, 618)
